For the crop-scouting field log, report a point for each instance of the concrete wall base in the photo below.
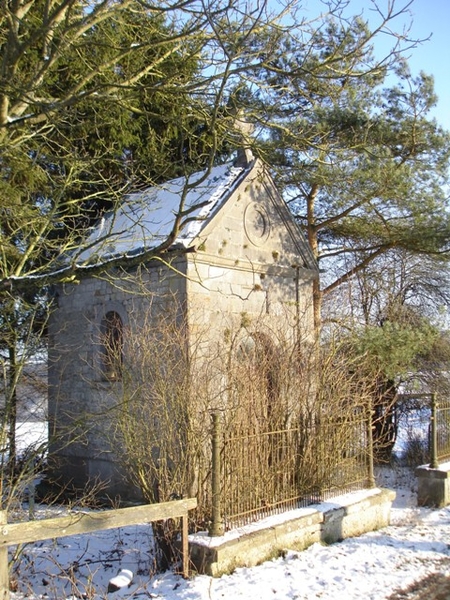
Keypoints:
(433, 486)
(345, 516)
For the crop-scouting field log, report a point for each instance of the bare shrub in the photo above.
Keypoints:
(160, 418)
(266, 382)
(416, 451)
(334, 422)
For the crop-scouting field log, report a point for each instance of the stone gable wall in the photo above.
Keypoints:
(79, 395)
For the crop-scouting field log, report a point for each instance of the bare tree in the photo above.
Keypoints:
(83, 89)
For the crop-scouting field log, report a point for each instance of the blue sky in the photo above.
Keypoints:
(433, 57)
(427, 17)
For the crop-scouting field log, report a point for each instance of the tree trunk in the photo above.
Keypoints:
(384, 419)
(317, 306)
(314, 245)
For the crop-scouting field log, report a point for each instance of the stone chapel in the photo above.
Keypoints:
(238, 254)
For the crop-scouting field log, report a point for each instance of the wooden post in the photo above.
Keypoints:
(185, 545)
(4, 570)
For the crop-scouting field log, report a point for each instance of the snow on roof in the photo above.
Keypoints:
(146, 219)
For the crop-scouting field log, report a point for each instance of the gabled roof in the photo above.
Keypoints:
(146, 219)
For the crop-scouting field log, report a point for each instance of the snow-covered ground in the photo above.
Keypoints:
(375, 566)
(31, 435)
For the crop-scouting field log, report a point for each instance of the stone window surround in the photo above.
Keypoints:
(99, 356)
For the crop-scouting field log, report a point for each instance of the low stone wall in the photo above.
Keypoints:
(433, 486)
(344, 516)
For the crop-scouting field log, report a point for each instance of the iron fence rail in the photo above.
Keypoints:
(268, 472)
(431, 415)
(442, 434)
(260, 473)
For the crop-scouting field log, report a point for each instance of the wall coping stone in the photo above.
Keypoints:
(442, 472)
(344, 504)
(340, 517)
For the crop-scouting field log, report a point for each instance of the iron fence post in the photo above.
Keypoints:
(216, 528)
(370, 466)
(434, 452)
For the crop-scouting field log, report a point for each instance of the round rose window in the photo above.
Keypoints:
(256, 223)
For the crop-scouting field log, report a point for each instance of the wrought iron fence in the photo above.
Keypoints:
(269, 472)
(440, 434)
(259, 475)
(426, 422)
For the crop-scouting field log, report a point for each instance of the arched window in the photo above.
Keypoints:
(112, 346)
(257, 372)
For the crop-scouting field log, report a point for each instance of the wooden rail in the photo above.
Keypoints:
(80, 522)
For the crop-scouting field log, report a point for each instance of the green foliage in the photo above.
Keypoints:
(363, 165)
(100, 98)
(93, 103)
(395, 348)
(94, 100)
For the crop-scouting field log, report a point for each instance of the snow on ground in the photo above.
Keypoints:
(374, 566)
(31, 435)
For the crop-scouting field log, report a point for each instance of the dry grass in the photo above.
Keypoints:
(435, 586)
